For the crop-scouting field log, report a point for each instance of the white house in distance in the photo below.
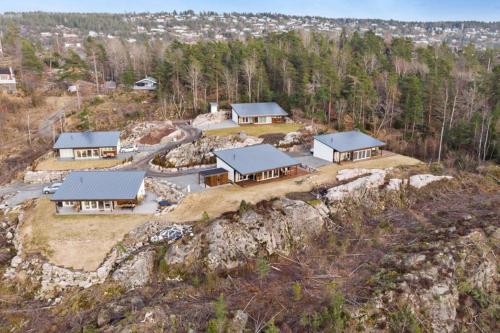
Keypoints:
(148, 83)
(99, 191)
(7, 80)
(256, 163)
(257, 113)
(88, 145)
(346, 146)
(214, 107)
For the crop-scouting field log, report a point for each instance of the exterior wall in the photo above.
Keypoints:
(224, 165)
(320, 150)
(142, 191)
(234, 117)
(66, 153)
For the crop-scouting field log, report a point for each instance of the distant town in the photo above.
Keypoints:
(190, 27)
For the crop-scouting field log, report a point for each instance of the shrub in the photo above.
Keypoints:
(263, 267)
(243, 207)
(403, 321)
(297, 291)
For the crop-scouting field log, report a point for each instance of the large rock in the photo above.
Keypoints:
(137, 271)
(201, 151)
(229, 242)
(419, 181)
(357, 187)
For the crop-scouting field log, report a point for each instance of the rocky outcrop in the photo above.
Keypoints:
(204, 120)
(201, 151)
(433, 277)
(231, 241)
(137, 271)
(41, 177)
(357, 187)
(291, 139)
(165, 190)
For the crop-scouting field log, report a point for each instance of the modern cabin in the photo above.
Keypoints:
(88, 145)
(346, 146)
(90, 192)
(256, 163)
(257, 113)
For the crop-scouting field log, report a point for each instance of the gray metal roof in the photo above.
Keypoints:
(100, 185)
(212, 172)
(258, 109)
(87, 140)
(252, 159)
(349, 141)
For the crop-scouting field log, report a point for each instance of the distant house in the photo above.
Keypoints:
(88, 145)
(99, 191)
(148, 83)
(255, 163)
(214, 107)
(257, 113)
(346, 146)
(7, 80)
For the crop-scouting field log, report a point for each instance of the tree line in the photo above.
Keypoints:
(431, 102)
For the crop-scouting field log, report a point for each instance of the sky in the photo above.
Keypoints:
(404, 10)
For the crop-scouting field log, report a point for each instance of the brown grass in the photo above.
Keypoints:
(257, 130)
(76, 241)
(53, 164)
(219, 200)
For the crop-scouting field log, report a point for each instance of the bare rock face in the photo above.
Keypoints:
(419, 181)
(358, 187)
(229, 243)
(137, 271)
(291, 139)
(200, 152)
(433, 282)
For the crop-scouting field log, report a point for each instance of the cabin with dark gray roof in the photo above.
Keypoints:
(88, 145)
(99, 191)
(256, 163)
(257, 113)
(346, 146)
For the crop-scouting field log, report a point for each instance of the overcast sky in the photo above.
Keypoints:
(407, 10)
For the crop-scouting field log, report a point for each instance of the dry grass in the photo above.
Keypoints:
(76, 241)
(257, 130)
(54, 164)
(226, 198)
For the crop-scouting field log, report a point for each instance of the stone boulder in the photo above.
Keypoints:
(419, 181)
(137, 271)
(291, 139)
(357, 188)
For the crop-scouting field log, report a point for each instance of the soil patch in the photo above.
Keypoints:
(155, 136)
(272, 138)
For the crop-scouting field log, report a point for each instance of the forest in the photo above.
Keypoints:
(434, 102)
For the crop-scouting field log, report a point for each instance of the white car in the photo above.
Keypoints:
(51, 189)
(129, 149)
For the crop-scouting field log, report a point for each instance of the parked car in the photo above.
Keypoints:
(51, 189)
(129, 149)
